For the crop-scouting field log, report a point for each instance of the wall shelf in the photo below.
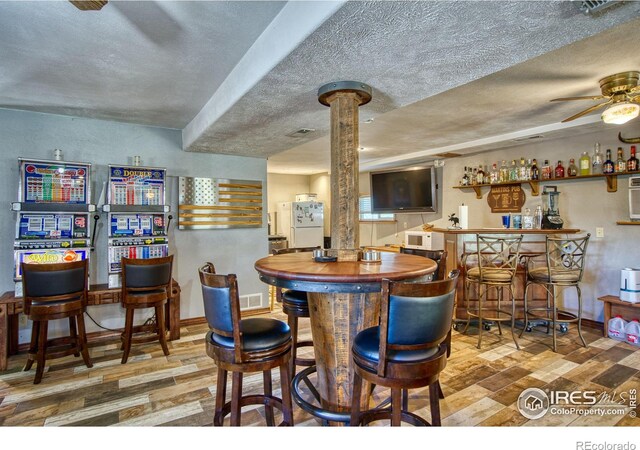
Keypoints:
(610, 180)
(628, 222)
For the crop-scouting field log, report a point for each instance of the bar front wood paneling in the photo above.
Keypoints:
(100, 294)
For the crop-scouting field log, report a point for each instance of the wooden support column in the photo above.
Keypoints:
(344, 98)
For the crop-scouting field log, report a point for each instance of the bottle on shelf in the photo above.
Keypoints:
(621, 164)
(523, 173)
(481, 178)
(537, 218)
(608, 166)
(504, 172)
(513, 171)
(494, 174)
(545, 173)
(559, 170)
(585, 164)
(597, 161)
(632, 162)
(534, 172)
(465, 178)
(572, 170)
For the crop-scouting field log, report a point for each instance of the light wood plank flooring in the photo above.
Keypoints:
(481, 386)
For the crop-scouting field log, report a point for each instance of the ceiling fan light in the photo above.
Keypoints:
(620, 113)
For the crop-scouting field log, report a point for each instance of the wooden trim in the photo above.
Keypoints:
(628, 222)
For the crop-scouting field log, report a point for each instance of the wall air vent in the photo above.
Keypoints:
(593, 6)
(301, 132)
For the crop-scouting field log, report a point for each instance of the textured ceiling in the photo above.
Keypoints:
(237, 77)
(152, 63)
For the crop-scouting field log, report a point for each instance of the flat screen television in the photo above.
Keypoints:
(404, 190)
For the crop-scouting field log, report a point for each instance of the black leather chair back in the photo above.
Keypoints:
(59, 279)
(417, 315)
(147, 273)
(221, 303)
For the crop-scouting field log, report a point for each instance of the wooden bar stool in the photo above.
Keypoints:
(565, 258)
(497, 263)
(55, 291)
(407, 350)
(146, 283)
(241, 346)
(295, 305)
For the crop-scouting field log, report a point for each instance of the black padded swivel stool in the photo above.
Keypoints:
(241, 346)
(55, 291)
(407, 350)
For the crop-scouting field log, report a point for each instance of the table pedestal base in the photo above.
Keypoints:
(336, 318)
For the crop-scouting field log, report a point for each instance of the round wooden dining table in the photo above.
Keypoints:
(344, 299)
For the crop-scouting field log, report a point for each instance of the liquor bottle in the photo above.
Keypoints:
(523, 173)
(546, 170)
(621, 164)
(474, 176)
(572, 170)
(513, 171)
(527, 172)
(481, 176)
(608, 166)
(632, 162)
(465, 177)
(585, 164)
(597, 160)
(559, 171)
(527, 219)
(504, 172)
(537, 218)
(494, 174)
(534, 173)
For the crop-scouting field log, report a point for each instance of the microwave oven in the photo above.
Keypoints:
(634, 198)
(424, 240)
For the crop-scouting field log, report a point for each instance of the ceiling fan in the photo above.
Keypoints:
(87, 5)
(622, 93)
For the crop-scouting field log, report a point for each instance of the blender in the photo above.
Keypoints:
(551, 214)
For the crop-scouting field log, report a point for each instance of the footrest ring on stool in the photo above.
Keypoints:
(316, 411)
(266, 400)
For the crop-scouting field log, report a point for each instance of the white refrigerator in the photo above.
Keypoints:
(302, 223)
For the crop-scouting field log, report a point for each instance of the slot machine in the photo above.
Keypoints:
(137, 216)
(53, 214)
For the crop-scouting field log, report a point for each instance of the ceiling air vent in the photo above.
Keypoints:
(301, 132)
(592, 6)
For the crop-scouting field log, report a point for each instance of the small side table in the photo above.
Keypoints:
(613, 303)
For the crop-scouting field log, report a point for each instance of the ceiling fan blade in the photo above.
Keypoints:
(88, 5)
(587, 111)
(592, 97)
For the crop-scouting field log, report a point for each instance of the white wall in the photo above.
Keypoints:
(321, 185)
(34, 135)
(584, 204)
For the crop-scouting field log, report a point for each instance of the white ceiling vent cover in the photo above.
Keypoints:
(592, 6)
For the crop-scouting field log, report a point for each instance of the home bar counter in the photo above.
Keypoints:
(461, 242)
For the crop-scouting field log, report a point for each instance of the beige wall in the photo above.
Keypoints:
(283, 188)
(321, 185)
(584, 204)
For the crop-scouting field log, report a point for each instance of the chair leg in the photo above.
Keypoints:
(500, 291)
(73, 333)
(584, 344)
(162, 333)
(434, 403)
(466, 296)
(236, 393)
(285, 387)
(42, 351)
(356, 395)
(405, 399)
(127, 334)
(480, 306)
(292, 321)
(526, 312)
(513, 318)
(33, 347)
(82, 339)
(396, 407)
(555, 317)
(221, 397)
(268, 391)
